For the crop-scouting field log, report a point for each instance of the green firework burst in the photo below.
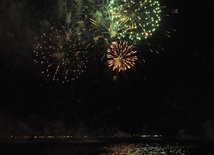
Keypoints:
(144, 18)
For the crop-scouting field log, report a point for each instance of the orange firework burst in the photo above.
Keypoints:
(120, 56)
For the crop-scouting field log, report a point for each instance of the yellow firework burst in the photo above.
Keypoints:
(121, 56)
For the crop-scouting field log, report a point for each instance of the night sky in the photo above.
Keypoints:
(171, 93)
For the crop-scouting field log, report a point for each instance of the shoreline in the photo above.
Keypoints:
(97, 140)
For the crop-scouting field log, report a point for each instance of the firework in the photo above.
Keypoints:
(127, 19)
(144, 18)
(108, 21)
(62, 53)
(120, 56)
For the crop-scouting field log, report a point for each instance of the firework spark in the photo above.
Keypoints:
(62, 53)
(120, 56)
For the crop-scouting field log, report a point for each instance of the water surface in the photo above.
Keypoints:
(119, 148)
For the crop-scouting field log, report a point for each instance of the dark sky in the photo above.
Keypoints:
(173, 90)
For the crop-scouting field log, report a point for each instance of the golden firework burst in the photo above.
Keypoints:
(121, 56)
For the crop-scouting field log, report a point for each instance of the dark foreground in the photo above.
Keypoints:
(151, 147)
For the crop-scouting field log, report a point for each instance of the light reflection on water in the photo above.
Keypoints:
(141, 148)
(145, 149)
